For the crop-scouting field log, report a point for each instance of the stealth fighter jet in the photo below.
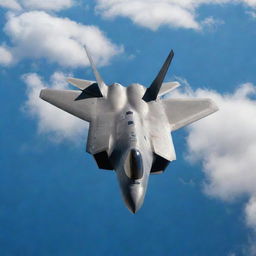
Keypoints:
(130, 127)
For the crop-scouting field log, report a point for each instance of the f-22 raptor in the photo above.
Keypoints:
(130, 127)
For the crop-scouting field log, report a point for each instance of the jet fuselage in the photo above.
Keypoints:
(128, 141)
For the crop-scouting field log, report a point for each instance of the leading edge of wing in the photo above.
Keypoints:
(71, 102)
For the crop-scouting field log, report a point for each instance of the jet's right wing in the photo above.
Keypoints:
(72, 101)
(181, 112)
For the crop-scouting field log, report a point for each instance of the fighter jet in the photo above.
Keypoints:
(130, 127)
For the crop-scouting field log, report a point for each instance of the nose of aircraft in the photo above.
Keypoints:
(134, 197)
(132, 180)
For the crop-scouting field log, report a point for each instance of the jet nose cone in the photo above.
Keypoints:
(134, 198)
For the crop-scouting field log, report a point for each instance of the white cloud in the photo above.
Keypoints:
(252, 249)
(150, 14)
(211, 23)
(6, 57)
(56, 123)
(153, 14)
(250, 211)
(11, 4)
(55, 5)
(252, 14)
(225, 144)
(37, 34)
(251, 3)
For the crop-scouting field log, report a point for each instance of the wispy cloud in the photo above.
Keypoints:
(252, 14)
(6, 57)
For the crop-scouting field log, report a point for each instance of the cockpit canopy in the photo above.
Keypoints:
(134, 165)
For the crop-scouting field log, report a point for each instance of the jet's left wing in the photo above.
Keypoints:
(72, 101)
(181, 112)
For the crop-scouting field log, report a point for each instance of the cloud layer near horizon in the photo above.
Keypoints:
(153, 14)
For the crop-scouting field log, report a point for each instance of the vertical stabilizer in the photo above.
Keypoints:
(102, 86)
(152, 92)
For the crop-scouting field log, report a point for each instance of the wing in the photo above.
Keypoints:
(74, 102)
(181, 112)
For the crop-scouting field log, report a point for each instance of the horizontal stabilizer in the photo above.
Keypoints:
(80, 83)
(69, 101)
(168, 87)
(181, 112)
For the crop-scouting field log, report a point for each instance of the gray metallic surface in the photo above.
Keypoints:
(128, 134)
(101, 85)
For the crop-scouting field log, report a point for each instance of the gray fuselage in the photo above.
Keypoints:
(124, 131)
(132, 158)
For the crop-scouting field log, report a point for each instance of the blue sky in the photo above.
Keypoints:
(53, 198)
